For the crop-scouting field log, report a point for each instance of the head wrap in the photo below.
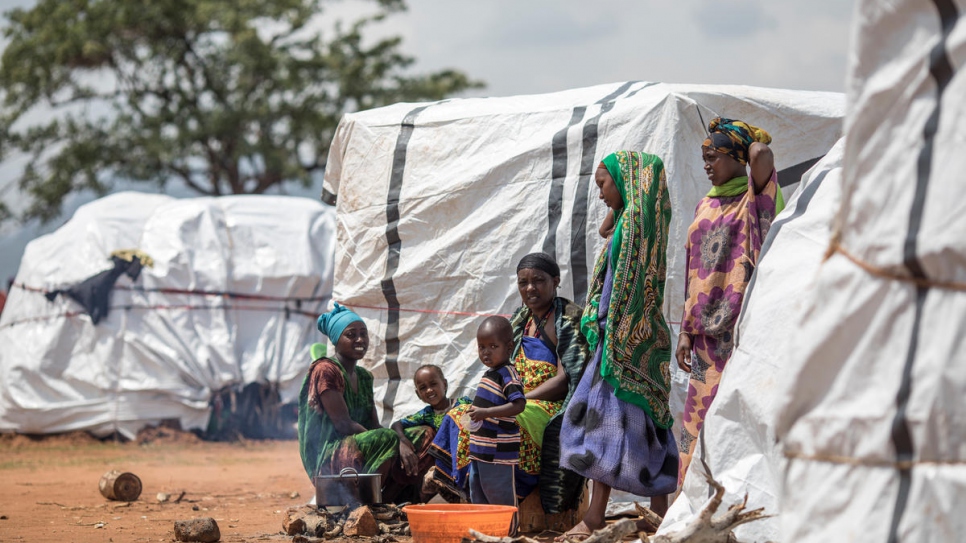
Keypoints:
(540, 261)
(333, 323)
(733, 137)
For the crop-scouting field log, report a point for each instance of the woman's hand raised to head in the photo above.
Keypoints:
(762, 162)
(683, 352)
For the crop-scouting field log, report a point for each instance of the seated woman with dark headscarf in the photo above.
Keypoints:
(338, 426)
(549, 355)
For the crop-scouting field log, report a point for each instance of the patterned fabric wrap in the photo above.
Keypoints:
(612, 441)
(637, 340)
(536, 364)
(733, 138)
(721, 249)
(560, 489)
(497, 441)
(707, 362)
(451, 448)
(428, 416)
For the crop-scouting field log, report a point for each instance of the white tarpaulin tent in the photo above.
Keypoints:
(842, 410)
(737, 442)
(230, 300)
(874, 432)
(437, 202)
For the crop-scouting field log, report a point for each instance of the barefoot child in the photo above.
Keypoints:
(431, 387)
(495, 440)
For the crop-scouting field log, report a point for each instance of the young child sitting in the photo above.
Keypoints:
(494, 435)
(431, 387)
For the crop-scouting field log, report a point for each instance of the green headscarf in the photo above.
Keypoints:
(738, 186)
(613, 167)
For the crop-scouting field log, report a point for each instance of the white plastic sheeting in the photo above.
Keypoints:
(161, 354)
(437, 202)
(738, 439)
(874, 431)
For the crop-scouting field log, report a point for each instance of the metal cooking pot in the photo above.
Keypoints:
(349, 487)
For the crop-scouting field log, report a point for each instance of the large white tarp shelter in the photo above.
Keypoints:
(230, 300)
(874, 432)
(437, 202)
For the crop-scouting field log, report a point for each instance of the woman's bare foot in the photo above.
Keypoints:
(579, 532)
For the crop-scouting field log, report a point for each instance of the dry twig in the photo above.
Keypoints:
(706, 528)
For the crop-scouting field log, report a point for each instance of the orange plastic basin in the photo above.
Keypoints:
(451, 522)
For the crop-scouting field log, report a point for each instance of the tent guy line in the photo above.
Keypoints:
(197, 292)
(187, 307)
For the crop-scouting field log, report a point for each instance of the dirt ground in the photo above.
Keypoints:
(49, 487)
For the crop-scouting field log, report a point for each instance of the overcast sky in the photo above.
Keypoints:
(538, 46)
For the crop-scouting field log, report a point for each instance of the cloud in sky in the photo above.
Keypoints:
(731, 19)
(544, 46)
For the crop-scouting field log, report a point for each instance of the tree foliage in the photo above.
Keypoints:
(227, 96)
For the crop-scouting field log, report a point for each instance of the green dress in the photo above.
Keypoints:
(326, 451)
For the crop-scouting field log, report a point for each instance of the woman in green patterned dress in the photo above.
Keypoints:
(338, 425)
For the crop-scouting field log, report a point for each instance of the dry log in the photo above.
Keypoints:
(706, 528)
(115, 485)
(612, 533)
(483, 538)
(650, 518)
(334, 532)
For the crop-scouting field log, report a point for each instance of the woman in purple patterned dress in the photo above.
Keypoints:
(722, 249)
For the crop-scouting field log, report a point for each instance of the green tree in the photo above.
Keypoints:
(227, 96)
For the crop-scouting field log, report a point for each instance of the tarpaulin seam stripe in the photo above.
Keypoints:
(578, 228)
(639, 89)
(195, 292)
(793, 174)
(558, 174)
(392, 258)
(941, 70)
(328, 197)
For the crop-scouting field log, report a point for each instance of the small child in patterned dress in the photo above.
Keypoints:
(431, 387)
